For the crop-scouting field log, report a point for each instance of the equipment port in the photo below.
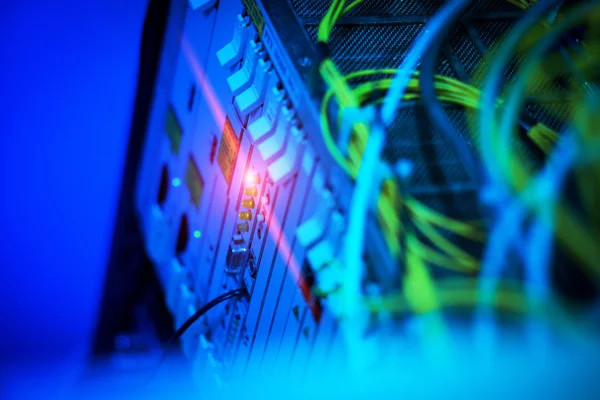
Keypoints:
(163, 188)
(183, 236)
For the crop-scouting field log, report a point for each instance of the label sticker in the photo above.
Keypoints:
(173, 129)
(194, 182)
(228, 151)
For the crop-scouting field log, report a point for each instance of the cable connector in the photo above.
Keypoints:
(323, 50)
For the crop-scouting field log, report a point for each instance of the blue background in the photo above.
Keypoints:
(67, 83)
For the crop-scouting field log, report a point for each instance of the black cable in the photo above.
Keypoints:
(195, 317)
(201, 311)
(433, 107)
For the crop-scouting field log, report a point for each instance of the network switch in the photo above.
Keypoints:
(249, 178)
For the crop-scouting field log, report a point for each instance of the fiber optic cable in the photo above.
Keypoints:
(458, 292)
(355, 156)
(536, 266)
(449, 84)
(493, 80)
(340, 158)
(421, 294)
(540, 236)
(521, 4)
(437, 116)
(463, 93)
(463, 293)
(571, 233)
(514, 102)
(410, 63)
(508, 232)
(577, 237)
(334, 79)
(340, 89)
(588, 179)
(354, 238)
(544, 137)
(449, 89)
(498, 244)
(352, 254)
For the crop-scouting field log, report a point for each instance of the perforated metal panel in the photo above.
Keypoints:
(357, 48)
(465, 50)
(318, 8)
(377, 34)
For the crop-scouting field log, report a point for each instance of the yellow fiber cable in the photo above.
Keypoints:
(457, 293)
(581, 242)
(431, 256)
(544, 137)
(459, 255)
(588, 178)
(450, 90)
(458, 93)
(418, 284)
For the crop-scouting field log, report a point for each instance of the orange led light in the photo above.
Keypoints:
(252, 178)
(251, 191)
(246, 215)
(248, 203)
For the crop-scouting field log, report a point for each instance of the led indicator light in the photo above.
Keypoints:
(248, 203)
(252, 178)
(246, 215)
(251, 191)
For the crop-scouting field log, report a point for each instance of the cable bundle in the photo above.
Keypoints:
(376, 87)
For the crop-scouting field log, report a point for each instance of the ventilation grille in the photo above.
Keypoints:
(318, 8)
(381, 41)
